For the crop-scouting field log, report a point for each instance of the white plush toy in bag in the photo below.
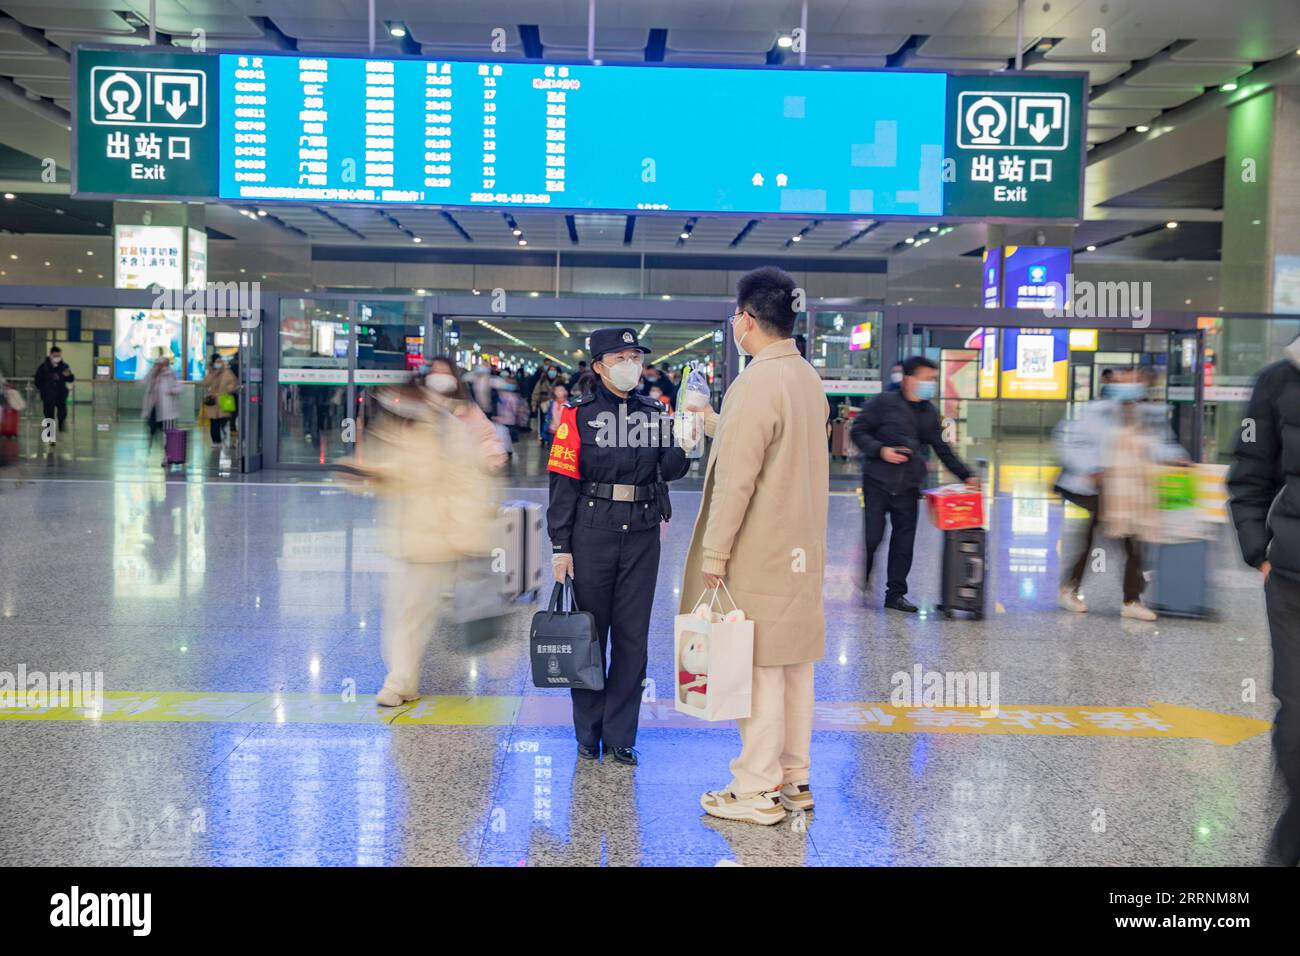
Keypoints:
(715, 658)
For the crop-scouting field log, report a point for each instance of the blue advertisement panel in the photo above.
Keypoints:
(992, 280)
(1034, 277)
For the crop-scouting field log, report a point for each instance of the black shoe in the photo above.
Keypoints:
(623, 755)
(900, 603)
(588, 753)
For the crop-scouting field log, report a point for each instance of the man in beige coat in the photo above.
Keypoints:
(762, 530)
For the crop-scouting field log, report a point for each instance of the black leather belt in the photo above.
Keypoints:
(600, 489)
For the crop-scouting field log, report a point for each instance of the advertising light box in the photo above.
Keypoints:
(146, 256)
(860, 337)
(1035, 363)
(1035, 277)
(992, 281)
(639, 139)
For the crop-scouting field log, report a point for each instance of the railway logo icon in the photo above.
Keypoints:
(148, 96)
(1021, 121)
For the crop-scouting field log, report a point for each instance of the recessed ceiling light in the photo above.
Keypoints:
(1091, 249)
(9, 195)
(686, 235)
(934, 228)
(416, 239)
(396, 29)
(785, 42)
(523, 242)
(13, 255)
(420, 292)
(517, 231)
(795, 238)
(47, 262)
(261, 212)
(909, 240)
(90, 252)
(1228, 87)
(534, 294)
(1142, 128)
(1171, 225)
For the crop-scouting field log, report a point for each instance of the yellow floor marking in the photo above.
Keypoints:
(1157, 719)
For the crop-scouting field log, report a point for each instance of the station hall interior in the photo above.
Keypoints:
(233, 602)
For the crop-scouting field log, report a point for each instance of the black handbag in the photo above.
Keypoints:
(563, 646)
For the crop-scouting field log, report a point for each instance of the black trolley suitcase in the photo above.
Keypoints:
(963, 572)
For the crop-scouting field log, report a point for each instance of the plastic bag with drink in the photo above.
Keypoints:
(692, 401)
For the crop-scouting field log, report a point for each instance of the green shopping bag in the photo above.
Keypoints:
(226, 403)
(1176, 489)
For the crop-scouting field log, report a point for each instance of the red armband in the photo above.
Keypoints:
(566, 445)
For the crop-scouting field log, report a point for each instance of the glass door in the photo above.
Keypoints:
(314, 389)
(249, 446)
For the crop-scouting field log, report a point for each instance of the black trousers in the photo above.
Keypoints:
(614, 576)
(57, 409)
(902, 510)
(1134, 581)
(1282, 599)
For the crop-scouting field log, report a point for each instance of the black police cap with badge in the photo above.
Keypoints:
(613, 340)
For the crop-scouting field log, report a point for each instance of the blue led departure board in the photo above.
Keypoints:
(761, 141)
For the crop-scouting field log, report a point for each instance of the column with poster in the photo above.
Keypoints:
(147, 257)
(196, 321)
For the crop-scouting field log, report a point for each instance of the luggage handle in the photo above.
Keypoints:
(976, 573)
(563, 588)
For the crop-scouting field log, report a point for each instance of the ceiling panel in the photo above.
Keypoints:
(15, 41)
(675, 56)
(1241, 49)
(853, 44)
(1104, 116)
(54, 88)
(972, 47)
(49, 17)
(1153, 97)
(1102, 134)
(1118, 46)
(1098, 72)
(720, 41)
(49, 67)
(1184, 74)
(68, 40)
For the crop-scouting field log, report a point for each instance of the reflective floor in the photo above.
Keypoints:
(236, 626)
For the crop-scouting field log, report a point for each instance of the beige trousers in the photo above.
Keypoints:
(410, 614)
(776, 737)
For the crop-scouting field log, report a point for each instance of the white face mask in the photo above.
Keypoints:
(625, 375)
(740, 347)
(441, 382)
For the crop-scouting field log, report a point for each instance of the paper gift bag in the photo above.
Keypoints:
(713, 663)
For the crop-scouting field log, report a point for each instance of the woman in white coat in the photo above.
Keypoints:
(161, 406)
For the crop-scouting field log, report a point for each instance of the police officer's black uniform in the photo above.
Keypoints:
(608, 519)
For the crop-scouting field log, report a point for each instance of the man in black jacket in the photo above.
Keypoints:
(1264, 489)
(895, 432)
(52, 379)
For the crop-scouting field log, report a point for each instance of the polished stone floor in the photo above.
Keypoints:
(199, 583)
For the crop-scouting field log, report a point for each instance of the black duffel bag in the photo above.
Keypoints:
(563, 645)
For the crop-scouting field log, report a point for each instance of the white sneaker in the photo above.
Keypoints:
(1072, 601)
(1137, 611)
(764, 809)
(796, 796)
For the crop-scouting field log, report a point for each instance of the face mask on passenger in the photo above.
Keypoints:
(927, 390)
(1128, 391)
(441, 382)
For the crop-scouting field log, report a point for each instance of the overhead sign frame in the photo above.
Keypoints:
(1000, 83)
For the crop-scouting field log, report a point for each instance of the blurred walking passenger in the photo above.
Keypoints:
(1109, 457)
(432, 460)
(1264, 485)
(161, 406)
(551, 413)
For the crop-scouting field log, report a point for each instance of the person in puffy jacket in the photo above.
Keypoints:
(896, 431)
(52, 379)
(161, 406)
(1264, 499)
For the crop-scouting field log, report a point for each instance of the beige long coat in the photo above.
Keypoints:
(762, 520)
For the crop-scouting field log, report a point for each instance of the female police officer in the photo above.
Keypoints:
(612, 456)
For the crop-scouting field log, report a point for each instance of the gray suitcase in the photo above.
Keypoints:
(521, 534)
(1180, 578)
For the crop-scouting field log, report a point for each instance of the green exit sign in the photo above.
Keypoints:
(1014, 146)
(145, 125)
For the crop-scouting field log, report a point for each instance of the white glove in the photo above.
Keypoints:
(562, 566)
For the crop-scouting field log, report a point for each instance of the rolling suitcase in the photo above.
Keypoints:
(508, 550)
(963, 572)
(531, 546)
(8, 422)
(1179, 570)
(175, 446)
